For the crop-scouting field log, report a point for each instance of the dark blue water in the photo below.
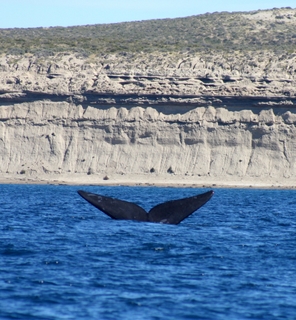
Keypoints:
(61, 258)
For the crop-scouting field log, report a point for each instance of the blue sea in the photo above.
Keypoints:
(61, 258)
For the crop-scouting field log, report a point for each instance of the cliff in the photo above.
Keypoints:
(203, 144)
(204, 117)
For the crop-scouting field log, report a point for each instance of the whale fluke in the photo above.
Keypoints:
(174, 211)
(115, 208)
(170, 212)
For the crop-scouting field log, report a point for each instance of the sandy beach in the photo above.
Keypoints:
(156, 180)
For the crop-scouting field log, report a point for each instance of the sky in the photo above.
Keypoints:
(50, 13)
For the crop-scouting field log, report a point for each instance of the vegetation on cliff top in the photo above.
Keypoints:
(259, 30)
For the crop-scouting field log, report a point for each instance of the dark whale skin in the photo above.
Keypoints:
(170, 212)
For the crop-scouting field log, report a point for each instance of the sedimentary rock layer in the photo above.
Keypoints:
(209, 74)
(46, 137)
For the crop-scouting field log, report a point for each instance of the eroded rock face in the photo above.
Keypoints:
(47, 137)
(210, 116)
(212, 74)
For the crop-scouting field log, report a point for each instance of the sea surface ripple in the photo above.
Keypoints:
(61, 258)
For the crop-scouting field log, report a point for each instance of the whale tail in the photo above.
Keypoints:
(170, 212)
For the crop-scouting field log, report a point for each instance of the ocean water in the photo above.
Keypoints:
(61, 258)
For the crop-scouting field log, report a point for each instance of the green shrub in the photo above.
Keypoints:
(217, 31)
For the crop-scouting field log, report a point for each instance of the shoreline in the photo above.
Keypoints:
(149, 180)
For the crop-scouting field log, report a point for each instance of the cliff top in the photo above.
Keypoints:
(272, 30)
(168, 61)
